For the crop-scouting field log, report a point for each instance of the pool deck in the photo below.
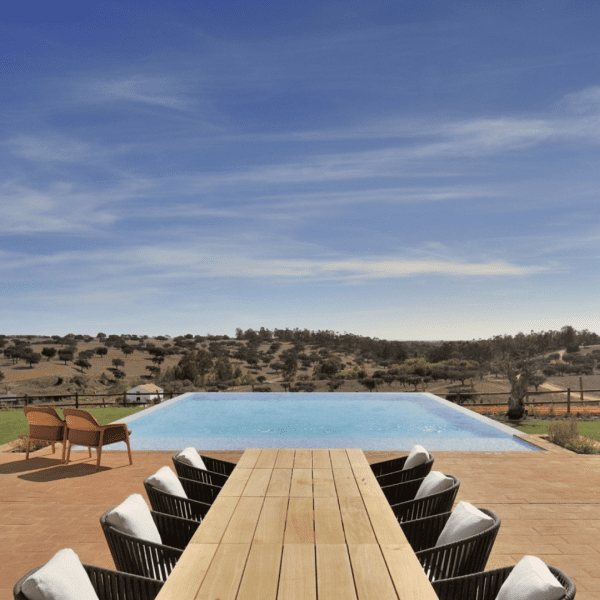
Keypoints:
(549, 503)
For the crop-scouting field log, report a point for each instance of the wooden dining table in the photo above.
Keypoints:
(299, 524)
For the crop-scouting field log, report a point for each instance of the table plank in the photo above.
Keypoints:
(355, 518)
(345, 483)
(328, 522)
(367, 483)
(271, 523)
(249, 458)
(261, 575)
(189, 572)
(280, 482)
(383, 521)
(215, 522)
(267, 458)
(323, 485)
(222, 580)
(357, 459)
(321, 458)
(302, 484)
(303, 459)
(258, 482)
(285, 458)
(299, 524)
(406, 572)
(243, 523)
(334, 574)
(236, 482)
(371, 576)
(339, 458)
(297, 580)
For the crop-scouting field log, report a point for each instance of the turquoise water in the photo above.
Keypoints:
(369, 421)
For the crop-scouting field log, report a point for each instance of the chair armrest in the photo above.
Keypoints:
(174, 531)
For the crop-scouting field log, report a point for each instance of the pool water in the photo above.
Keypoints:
(382, 421)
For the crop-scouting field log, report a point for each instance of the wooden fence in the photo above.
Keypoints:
(82, 399)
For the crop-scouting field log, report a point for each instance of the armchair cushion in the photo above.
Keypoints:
(133, 517)
(164, 479)
(531, 579)
(190, 457)
(434, 483)
(418, 455)
(464, 522)
(61, 578)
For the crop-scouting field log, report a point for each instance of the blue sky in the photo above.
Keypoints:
(401, 170)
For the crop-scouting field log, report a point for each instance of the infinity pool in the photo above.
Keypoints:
(382, 421)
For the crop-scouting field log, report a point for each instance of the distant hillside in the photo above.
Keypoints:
(275, 360)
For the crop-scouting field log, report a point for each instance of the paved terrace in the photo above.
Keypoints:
(549, 504)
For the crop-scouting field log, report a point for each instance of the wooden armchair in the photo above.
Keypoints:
(84, 430)
(45, 426)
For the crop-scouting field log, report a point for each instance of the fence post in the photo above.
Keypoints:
(581, 389)
(76, 400)
(568, 401)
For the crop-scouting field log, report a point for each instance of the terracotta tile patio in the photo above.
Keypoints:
(549, 503)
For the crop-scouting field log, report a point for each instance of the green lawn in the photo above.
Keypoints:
(589, 429)
(13, 422)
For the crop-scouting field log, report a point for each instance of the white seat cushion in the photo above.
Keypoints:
(531, 579)
(133, 517)
(464, 522)
(61, 578)
(418, 455)
(190, 457)
(434, 483)
(164, 479)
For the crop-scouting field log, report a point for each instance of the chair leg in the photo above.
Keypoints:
(27, 449)
(53, 448)
(90, 451)
(128, 448)
(99, 449)
(64, 445)
(68, 452)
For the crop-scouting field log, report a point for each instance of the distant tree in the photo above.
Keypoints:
(86, 354)
(118, 374)
(290, 367)
(261, 379)
(223, 369)
(154, 371)
(368, 383)
(520, 374)
(101, 350)
(49, 352)
(117, 362)
(194, 366)
(334, 384)
(1, 375)
(65, 354)
(32, 358)
(127, 349)
(277, 366)
(83, 364)
(537, 380)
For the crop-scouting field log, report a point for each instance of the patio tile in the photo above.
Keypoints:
(544, 508)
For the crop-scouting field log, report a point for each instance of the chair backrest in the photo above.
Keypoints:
(80, 419)
(108, 585)
(43, 415)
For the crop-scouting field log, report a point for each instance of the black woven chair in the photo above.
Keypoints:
(485, 586)
(401, 497)
(140, 557)
(401, 475)
(189, 472)
(464, 557)
(195, 506)
(109, 585)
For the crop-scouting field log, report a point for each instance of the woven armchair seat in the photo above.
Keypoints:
(401, 497)
(401, 475)
(188, 472)
(84, 430)
(464, 557)
(45, 426)
(195, 506)
(140, 557)
(109, 585)
(486, 585)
